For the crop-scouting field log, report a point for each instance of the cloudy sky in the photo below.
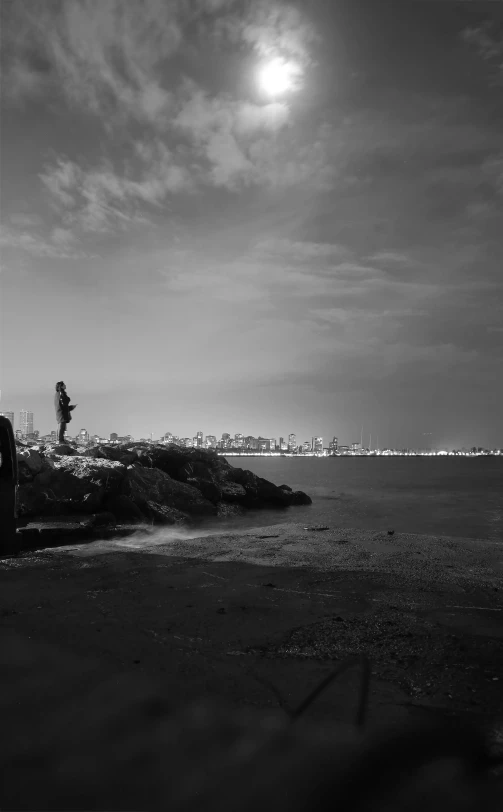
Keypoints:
(188, 251)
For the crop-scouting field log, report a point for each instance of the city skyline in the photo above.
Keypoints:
(289, 443)
(255, 214)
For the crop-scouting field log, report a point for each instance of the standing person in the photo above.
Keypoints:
(63, 409)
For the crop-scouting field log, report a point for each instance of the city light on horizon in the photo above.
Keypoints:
(247, 445)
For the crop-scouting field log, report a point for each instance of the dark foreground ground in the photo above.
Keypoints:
(254, 620)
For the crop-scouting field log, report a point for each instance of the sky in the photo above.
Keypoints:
(190, 251)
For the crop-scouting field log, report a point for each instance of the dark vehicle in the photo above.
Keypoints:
(9, 541)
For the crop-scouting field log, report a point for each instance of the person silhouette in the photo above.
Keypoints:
(63, 409)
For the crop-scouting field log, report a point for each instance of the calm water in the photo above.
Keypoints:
(454, 496)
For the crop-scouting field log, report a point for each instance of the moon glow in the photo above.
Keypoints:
(278, 77)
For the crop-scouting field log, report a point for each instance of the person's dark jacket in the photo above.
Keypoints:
(62, 406)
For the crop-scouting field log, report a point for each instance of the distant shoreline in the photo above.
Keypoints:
(349, 454)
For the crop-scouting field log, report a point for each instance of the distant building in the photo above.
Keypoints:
(25, 422)
(210, 441)
(113, 437)
(334, 445)
(83, 436)
(226, 440)
(307, 446)
(292, 442)
(317, 444)
(199, 440)
(168, 437)
(251, 443)
(9, 416)
(356, 446)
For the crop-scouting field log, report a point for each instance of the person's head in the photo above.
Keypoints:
(60, 386)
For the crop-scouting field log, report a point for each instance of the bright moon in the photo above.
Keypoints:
(278, 76)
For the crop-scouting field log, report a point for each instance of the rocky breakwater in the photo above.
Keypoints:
(136, 484)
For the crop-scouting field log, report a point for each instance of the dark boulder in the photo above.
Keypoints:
(232, 492)
(59, 450)
(123, 508)
(140, 482)
(73, 484)
(259, 491)
(226, 510)
(144, 485)
(162, 514)
(29, 464)
(301, 498)
(111, 453)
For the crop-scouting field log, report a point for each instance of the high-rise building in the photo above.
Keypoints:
(273, 444)
(9, 416)
(292, 442)
(210, 441)
(307, 446)
(168, 437)
(334, 444)
(26, 422)
(317, 444)
(199, 440)
(83, 436)
(251, 443)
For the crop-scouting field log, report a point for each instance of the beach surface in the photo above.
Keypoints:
(100, 640)
(231, 615)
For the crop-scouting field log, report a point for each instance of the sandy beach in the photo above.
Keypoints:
(256, 620)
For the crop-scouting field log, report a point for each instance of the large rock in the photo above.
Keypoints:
(123, 508)
(74, 485)
(31, 459)
(35, 501)
(139, 482)
(173, 459)
(232, 492)
(262, 493)
(53, 450)
(24, 471)
(144, 485)
(111, 453)
(162, 514)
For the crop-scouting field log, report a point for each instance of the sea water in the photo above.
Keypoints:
(448, 496)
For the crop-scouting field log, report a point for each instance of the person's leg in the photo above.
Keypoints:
(61, 435)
